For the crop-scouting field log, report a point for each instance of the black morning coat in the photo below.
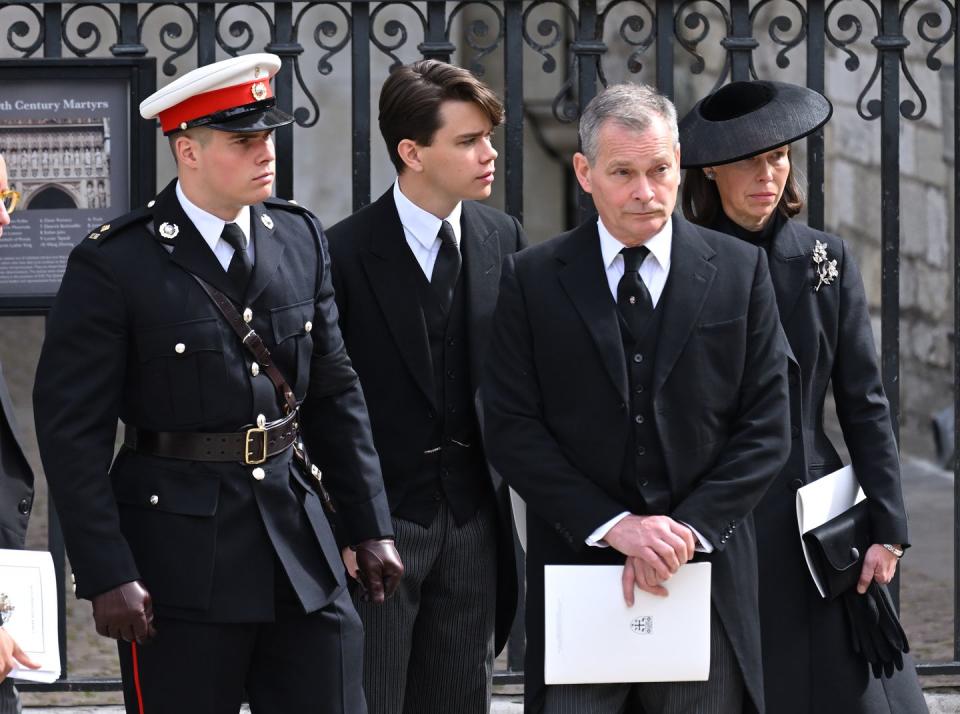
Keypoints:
(16, 478)
(133, 336)
(557, 422)
(383, 324)
(809, 664)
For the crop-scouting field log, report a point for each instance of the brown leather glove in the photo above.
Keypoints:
(378, 568)
(125, 613)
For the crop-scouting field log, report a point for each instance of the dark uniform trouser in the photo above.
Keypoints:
(9, 701)
(429, 648)
(723, 693)
(298, 664)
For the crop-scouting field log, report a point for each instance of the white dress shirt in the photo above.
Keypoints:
(654, 272)
(211, 227)
(421, 228)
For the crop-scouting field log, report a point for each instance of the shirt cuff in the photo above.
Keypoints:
(595, 539)
(703, 545)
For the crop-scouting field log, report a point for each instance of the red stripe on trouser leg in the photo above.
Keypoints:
(136, 677)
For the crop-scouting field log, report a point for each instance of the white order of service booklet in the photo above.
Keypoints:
(592, 637)
(28, 599)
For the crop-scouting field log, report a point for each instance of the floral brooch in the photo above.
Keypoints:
(826, 268)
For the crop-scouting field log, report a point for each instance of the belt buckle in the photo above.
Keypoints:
(246, 445)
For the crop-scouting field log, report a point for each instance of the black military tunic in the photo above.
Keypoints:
(133, 336)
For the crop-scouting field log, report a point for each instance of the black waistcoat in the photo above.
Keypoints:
(645, 471)
(454, 469)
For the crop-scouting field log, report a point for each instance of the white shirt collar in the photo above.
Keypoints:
(421, 224)
(659, 244)
(208, 225)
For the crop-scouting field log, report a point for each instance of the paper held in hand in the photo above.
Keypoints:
(593, 637)
(28, 597)
(822, 500)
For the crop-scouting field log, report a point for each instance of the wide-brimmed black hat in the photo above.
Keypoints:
(744, 119)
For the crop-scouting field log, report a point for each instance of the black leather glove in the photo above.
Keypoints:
(378, 568)
(125, 613)
(875, 630)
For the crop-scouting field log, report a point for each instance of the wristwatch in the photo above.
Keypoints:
(894, 549)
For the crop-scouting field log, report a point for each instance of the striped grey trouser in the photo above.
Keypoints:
(429, 648)
(9, 701)
(723, 693)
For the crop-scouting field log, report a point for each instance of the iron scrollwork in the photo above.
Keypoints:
(779, 29)
(634, 30)
(564, 108)
(170, 32)
(21, 29)
(393, 28)
(86, 29)
(476, 31)
(322, 32)
(693, 21)
(239, 29)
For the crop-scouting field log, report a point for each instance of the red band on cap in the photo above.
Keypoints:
(208, 103)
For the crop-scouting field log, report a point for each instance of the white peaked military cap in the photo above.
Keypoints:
(232, 95)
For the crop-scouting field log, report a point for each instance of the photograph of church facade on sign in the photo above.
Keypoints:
(58, 164)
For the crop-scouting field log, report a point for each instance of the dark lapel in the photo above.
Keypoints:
(480, 247)
(268, 249)
(390, 268)
(583, 277)
(789, 269)
(691, 275)
(190, 250)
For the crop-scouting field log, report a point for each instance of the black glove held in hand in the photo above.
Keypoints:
(378, 568)
(875, 629)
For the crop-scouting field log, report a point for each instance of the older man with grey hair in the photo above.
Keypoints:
(638, 403)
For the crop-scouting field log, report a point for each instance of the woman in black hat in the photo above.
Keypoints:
(740, 180)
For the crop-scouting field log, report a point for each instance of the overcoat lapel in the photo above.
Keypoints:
(584, 280)
(268, 248)
(190, 250)
(789, 270)
(480, 247)
(389, 267)
(691, 275)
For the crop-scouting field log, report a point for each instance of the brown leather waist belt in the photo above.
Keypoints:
(250, 446)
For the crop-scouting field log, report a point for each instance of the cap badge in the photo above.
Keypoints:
(169, 230)
(259, 91)
(267, 221)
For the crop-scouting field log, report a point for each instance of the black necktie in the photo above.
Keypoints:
(446, 269)
(240, 266)
(633, 298)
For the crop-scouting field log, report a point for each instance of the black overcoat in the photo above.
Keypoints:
(386, 336)
(16, 477)
(809, 665)
(557, 422)
(133, 336)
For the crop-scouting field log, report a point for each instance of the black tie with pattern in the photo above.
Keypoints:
(446, 269)
(240, 266)
(633, 298)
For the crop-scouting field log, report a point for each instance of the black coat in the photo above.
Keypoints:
(809, 665)
(16, 477)
(386, 336)
(133, 336)
(557, 423)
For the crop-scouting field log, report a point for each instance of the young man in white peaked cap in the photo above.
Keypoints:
(205, 321)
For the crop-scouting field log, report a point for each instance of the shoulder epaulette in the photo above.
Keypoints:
(285, 204)
(108, 230)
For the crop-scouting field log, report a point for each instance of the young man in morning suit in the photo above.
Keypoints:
(638, 404)
(416, 276)
(206, 537)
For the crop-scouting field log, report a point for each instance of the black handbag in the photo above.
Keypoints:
(838, 548)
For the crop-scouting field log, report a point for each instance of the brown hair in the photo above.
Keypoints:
(701, 199)
(411, 97)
